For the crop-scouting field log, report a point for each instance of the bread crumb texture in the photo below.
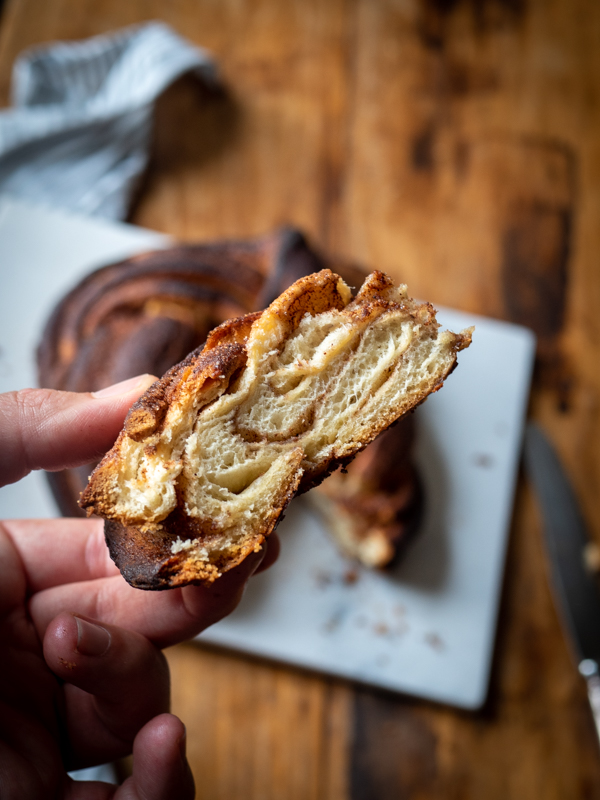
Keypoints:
(212, 453)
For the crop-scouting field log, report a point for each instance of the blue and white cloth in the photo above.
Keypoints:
(78, 134)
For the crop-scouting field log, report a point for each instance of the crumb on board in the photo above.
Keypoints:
(435, 642)
(483, 460)
(381, 629)
(350, 577)
(334, 621)
(324, 578)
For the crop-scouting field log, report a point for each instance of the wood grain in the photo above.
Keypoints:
(453, 143)
(259, 731)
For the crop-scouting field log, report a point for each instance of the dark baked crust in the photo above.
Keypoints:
(146, 562)
(148, 312)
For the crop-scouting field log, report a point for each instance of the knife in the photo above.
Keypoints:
(568, 544)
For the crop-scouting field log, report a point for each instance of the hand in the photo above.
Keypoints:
(82, 678)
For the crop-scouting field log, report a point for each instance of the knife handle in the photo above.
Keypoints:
(593, 687)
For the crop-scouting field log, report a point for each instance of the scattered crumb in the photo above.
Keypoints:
(67, 664)
(483, 460)
(350, 577)
(179, 545)
(401, 628)
(381, 629)
(435, 641)
(322, 578)
(334, 621)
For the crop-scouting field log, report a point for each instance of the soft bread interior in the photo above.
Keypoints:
(313, 382)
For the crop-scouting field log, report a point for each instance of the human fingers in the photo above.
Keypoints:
(46, 429)
(58, 551)
(115, 681)
(164, 617)
(160, 767)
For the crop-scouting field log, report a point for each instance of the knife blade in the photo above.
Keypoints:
(567, 541)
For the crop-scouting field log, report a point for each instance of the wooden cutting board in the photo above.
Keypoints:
(455, 145)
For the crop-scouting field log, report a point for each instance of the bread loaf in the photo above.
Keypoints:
(374, 506)
(274, 401)
(146, 314)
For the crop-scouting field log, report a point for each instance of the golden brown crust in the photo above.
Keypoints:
(206, 372)
(162, 540)
(145, 314)
(146, 562)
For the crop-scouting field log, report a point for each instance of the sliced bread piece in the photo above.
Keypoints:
(213, 452)
(374, 506)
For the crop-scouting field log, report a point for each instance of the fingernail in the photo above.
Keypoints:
(121, 388)
(92, 639)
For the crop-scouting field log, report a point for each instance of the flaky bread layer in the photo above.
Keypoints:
(211, 455)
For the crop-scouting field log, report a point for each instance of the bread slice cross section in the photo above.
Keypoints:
(274, 401)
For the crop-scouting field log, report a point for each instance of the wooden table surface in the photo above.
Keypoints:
(454, 144)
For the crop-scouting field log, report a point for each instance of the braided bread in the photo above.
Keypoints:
(145, 314)
(374, 506)
(274, 401)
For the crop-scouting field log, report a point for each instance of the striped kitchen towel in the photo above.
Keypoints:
(78, 133)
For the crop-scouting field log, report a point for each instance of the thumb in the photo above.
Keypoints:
(160, 767)
(46, 429)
